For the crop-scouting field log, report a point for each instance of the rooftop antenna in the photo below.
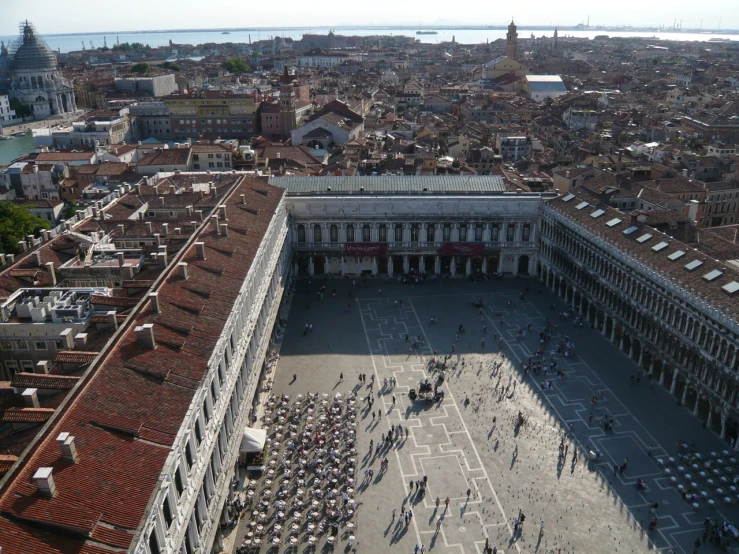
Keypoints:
(105, 42)
(83, 44)
(117, 41)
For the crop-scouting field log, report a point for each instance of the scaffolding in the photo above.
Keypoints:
(29, 50)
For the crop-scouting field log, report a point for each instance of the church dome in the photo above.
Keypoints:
(33, 52)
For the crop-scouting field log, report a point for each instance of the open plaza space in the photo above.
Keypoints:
(470, 446)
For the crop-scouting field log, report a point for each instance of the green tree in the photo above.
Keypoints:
(16, 224)
(141, 67)
(171, 65)
(236, 65)
(70, 209)
(21, 110)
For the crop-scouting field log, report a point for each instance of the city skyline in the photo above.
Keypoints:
(171, 15)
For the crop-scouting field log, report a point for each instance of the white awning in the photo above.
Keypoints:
(253, 440)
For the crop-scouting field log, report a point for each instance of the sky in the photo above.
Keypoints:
(86, 16)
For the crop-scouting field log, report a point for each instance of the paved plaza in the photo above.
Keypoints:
(470, 441)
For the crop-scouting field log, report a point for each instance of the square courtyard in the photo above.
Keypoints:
(469, 446)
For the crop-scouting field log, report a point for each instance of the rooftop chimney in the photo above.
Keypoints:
(37, 258)
(22, 245)
(154, 301)
(112, 319)
(121, 258)
(80, 340)
(161, 200)
(52, 273)
(224, 229)
(222, 209)
(199, 215)
(30, 398)
(214, 222)
(67, 338)
(45, 481)
(66, 445)
(148, 227)
(200, 247)
(243, 198)
(145, 335)
(165, 229)
(120, 229)
(182, 266)
(41, 367)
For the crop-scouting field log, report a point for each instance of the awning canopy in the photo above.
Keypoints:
(253, 440)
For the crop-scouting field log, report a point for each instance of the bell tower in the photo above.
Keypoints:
(511, 42)
(287, 104)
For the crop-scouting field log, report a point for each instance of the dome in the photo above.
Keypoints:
(33, 52)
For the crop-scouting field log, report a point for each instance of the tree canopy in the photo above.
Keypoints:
(236, 65)
(171, 65)
(16, 224)
(141, 67)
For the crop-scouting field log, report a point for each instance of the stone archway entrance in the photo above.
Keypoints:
(523, 265)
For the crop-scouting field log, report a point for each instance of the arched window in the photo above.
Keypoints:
(462, 232)
(494, 232)
(366, 233)
(526, 232)
(350, 233)
(301, 233)
(398, 233)
(333, 233)
(478, 232)
(382, 233)
(415, 228)
(33, 81)
(40, 99)
(430, 227)
(316, 233)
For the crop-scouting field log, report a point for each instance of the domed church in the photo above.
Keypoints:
(35, 79)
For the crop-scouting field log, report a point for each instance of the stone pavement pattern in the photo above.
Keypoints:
(585, 507)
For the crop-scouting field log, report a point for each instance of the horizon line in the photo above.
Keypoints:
(460, 27)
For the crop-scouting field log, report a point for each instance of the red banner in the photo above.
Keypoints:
(365, 249)
(462, 248)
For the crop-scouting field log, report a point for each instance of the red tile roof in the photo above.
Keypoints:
(27, 415)
(125, 416)
(18, 537)
(50, 382)
(76, 356)
(7, 461)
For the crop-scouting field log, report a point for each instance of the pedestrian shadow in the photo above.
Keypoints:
(463, 508)
(538, 542)
(433, 515)
(513, 460)
(399, 534)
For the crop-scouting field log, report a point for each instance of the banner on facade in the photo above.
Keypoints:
(462, 248)
(365, 249)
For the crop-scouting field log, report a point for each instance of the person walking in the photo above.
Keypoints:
(469, 491)
(341, 377)
(446, 503)
(393, 516)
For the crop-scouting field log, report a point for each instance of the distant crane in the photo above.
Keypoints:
(83, 44)
(91, 46)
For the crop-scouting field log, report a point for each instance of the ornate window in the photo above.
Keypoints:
(398, 232)
(415, 229)
(316, 233)
(366, 233)
(447, 234)
(350, 233)
(479, 229)
(463, 232)
(494, 232)
(382, 232)
(333, 233)
(301, 233)
(510, 232)
(430, 228)
(526, 232)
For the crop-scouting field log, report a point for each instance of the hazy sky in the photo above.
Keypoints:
(80, 16)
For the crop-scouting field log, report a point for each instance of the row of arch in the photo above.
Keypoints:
(678, 348)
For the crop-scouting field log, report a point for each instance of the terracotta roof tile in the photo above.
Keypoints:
(49, 382)
(27, 415)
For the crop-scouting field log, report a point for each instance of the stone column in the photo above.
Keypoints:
(406, 265)
(673, 385)
(389, 265)
(724, 417)
(631, 351)
(485, 265)
(311, 267)
(662, 374)
(437, 265)
(421, 264)
(325, 265)
(554, 283)
(685, 395)
(468, 266)
(709, 421)
(342, 266)
(697, 403)
(374, 266)
(453, 266)
(515, 264)
(621, 342)
(641, 360)
(605, 324)
(613, 332)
